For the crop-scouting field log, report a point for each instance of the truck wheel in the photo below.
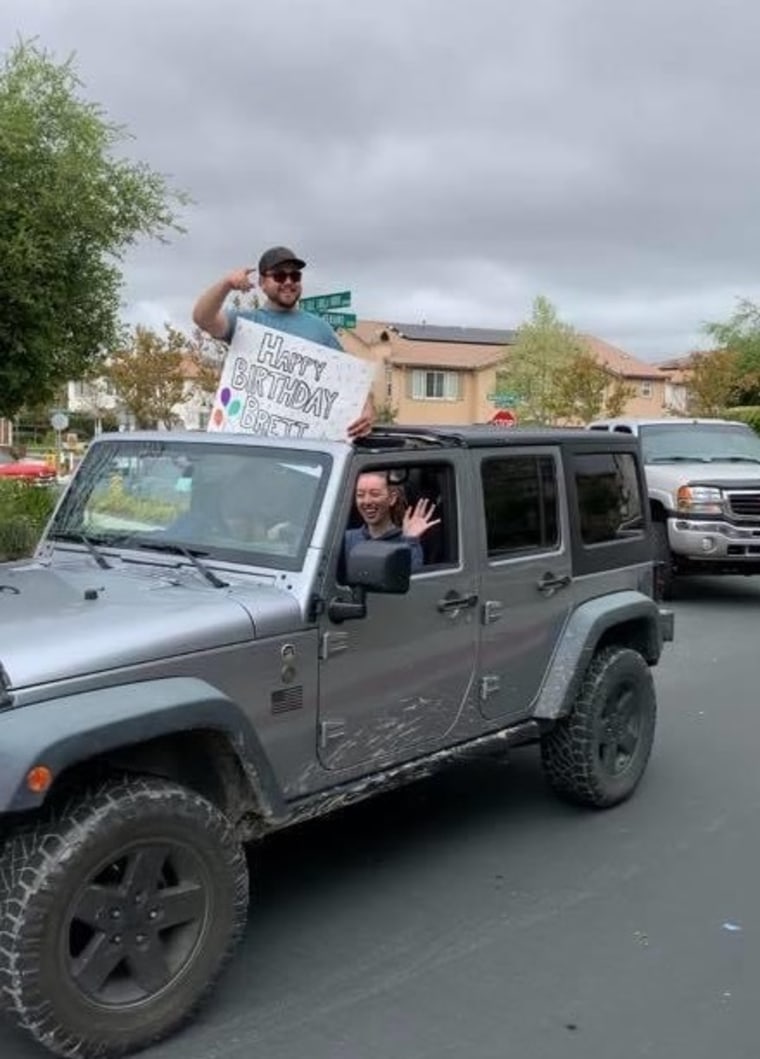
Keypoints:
(121, 909)
(597, 755)
(664, 573)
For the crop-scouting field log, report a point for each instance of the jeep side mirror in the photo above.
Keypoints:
(372, 566)
(379, 566)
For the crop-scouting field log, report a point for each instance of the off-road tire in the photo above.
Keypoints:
(50, 869)
(664, 571)
(598, 754)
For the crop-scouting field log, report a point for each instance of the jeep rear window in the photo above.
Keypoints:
(520, 501)
(609, 499)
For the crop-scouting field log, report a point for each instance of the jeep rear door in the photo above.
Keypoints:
(525, 590)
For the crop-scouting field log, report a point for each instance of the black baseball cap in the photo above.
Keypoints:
(279, 255)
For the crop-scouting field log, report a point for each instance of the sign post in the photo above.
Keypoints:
(59, 421)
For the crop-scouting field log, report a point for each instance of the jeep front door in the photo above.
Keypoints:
(393, 683)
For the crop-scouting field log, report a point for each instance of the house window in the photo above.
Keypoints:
(645, 389)
(436, 386)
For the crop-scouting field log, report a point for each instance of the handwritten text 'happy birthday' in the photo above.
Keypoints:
(287, 379)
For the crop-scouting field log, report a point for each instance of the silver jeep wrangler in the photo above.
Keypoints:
(190, 661)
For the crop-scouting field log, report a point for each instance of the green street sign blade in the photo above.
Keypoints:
(346, 320)
(503, 399)
(323, 303)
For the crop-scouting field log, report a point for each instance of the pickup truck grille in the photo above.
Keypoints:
(744, 504)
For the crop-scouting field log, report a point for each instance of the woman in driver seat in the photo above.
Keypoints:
(386, 517)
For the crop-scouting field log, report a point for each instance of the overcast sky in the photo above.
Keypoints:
(446, 161)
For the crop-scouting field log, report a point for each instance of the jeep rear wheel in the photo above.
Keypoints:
(121, 910)
(598, 754)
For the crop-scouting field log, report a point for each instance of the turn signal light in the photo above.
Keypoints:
(39, 779)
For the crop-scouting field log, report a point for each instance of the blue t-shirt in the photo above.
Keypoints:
(292, 321)
(361, 533)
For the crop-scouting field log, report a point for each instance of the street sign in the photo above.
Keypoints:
(59, 421)
(346, 320)
(503, 399)
(322, 303)
(504, 418)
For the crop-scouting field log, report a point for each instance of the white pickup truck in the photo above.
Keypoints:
(703, 479)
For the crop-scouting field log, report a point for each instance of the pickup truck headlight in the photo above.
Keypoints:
(699, 500)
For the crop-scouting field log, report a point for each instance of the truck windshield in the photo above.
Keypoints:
(699, 442)
(240, 503)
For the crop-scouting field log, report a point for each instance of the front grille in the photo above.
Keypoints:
(744, 504)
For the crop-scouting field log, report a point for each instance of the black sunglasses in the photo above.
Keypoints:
(281, 275)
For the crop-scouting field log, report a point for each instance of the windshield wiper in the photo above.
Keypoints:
(191, 554)
(89, 543)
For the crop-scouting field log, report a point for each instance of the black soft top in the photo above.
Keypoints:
(488, 436)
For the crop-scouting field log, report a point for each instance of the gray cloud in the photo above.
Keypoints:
(446, 161)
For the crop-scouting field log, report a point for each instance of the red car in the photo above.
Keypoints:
(27, 469)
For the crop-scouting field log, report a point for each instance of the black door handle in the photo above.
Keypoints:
(549, 583)
(454, 602)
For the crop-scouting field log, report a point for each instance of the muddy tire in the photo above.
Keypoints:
(121, 909)
(598, 754)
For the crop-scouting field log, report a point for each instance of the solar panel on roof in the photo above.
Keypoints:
(483, 336)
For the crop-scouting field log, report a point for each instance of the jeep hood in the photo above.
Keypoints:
(73, 619)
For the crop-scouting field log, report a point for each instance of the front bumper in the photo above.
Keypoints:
(714, 541)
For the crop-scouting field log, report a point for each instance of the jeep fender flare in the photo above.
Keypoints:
(581, 637)
(73, 729)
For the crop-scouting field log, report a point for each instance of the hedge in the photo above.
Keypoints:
(749, 414)
(24, 511)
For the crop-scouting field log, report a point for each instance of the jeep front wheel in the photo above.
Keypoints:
(597, 755)
(121, 909)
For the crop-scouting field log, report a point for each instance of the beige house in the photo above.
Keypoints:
(447, 375)
(6, 433)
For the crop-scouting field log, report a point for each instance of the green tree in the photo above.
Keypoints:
(69, 209)
(148, 376)
(715, 381)
(586, 390)
(534, 367)
(740, 336)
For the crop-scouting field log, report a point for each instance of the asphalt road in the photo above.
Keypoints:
(474, 916)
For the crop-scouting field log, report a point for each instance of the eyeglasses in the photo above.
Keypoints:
(282, 275)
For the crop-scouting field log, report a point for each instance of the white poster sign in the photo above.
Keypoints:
(278, 385)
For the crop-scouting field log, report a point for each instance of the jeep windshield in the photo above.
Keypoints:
(227, 502)
(699, 443)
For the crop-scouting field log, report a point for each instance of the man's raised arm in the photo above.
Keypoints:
(207, 312)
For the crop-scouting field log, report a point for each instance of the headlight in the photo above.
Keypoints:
(699, 500)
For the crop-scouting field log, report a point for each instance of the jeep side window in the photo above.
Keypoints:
(609, 500)
(434, 483)
(520, 503)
